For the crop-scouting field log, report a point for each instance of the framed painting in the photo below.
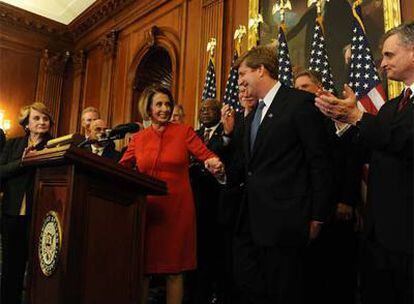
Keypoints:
(378, 16)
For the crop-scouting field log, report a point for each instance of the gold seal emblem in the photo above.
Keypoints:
(50, 243)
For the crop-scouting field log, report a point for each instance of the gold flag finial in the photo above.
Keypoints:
(357, 2)
(254, 23)
(211, 47)
(282, 6)
(239, 34)
(319, 5)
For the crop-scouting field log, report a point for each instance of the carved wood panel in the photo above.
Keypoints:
(211, 27)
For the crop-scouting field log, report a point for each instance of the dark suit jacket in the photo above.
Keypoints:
(109, 152)
(288, 175)
(205, 187)
(234, 160)
(389, 135)
(15, 180)
(347, 163)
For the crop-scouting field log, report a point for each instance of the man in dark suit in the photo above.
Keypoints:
(287, 180)
(388, 250)
(105, 149)
(208, 285)
(330, 260)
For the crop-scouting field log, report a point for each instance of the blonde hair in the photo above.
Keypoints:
(38, 106)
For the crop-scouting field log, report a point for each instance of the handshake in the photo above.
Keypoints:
(215, 167)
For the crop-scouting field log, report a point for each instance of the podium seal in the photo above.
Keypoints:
(50, 242)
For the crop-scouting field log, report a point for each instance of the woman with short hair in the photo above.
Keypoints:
(17, 185)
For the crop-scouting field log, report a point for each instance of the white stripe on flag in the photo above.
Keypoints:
(376, 98)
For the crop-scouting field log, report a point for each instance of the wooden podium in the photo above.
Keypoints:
(87, 228)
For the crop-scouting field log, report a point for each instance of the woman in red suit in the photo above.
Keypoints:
(162, 151)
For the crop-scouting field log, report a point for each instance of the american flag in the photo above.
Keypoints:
(285, 67)
(209, 90)
(363, 76)
(318, 61)
(231, 95)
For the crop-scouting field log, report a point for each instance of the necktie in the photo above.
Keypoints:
(256, 123)
(404, 101)
(206, 135)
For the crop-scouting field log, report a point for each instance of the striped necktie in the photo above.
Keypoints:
(404, 101)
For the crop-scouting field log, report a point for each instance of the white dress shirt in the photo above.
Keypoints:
(268, 99)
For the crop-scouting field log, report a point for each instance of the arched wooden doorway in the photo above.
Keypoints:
(154, 68)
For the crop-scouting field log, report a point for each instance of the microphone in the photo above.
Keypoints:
(86, 142)
(121, 130)
(118, 132)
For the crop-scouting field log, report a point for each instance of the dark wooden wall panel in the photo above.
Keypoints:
(18, 79)
(407, 10)
(212, 27)
(66, 101)
(121, 83)
(93, 78)
(189, 89)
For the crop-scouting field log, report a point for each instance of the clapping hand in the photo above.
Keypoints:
(344, 110)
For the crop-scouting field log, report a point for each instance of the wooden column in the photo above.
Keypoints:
(50, 82)
(109, 46)
(79, 66)
(211, 27)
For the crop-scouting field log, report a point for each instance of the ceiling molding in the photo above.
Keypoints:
(90, 19)
(17, 17)
(95, 15)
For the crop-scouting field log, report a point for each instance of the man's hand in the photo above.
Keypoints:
(314, 229)
(215, 166)
(344, 110)
(227, 119)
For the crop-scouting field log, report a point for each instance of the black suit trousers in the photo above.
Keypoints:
(15, 241)
(266, 274)
(387, 277)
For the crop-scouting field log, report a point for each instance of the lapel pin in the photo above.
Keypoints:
(270, 115)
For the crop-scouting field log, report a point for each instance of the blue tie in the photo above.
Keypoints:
(256, 123)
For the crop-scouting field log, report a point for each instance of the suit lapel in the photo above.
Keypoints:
(275, 110)
(403, 112)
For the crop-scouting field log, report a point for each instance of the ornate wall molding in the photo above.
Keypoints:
(55, 63)
(151, 36)
(19, 18)
(95, 15)
(109, 43)
(209, 2)
(50, 81)
(79, 61)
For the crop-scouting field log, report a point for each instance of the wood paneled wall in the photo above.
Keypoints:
(24, 64)
(183, 28)
(18, 78)
(106, 44)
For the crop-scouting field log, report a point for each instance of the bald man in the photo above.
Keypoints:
(105, 149)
